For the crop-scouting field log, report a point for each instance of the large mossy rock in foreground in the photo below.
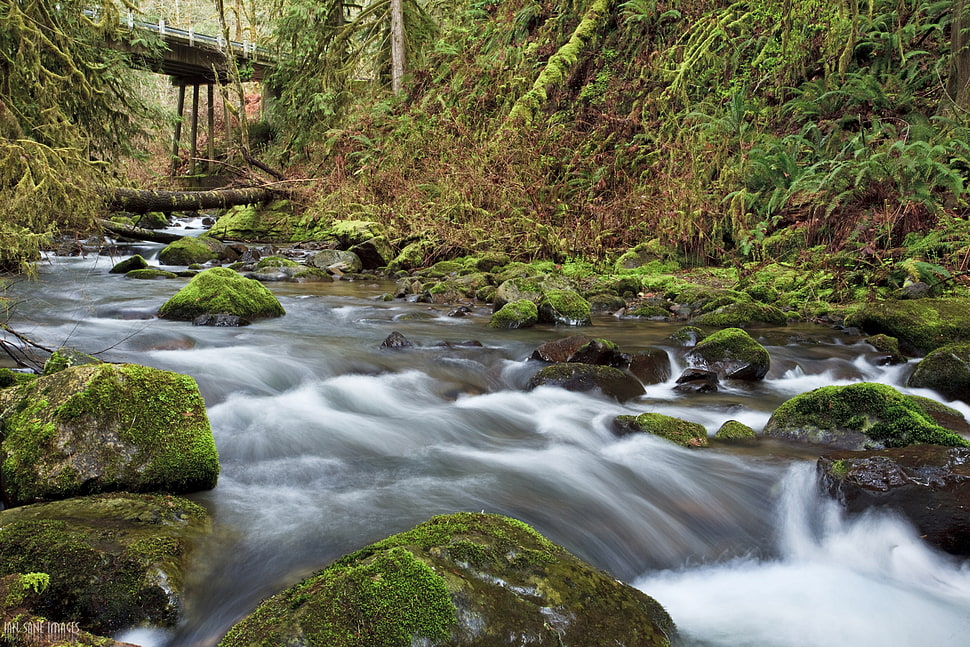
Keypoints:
(104, 427)
(457, 580)
(731, 353)
(858, 416)
(946, 370)
(221, 291)
(114, 560)
(929, 485)
(920, 325)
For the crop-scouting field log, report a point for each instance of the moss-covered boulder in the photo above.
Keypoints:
(608, 380)
(374, 252)
(347, 233)
(517, 314)
(220, 290)
(734, 431)
(136, 262)
(682, 432)
(151, 274)
(65, 357)
(731, 353)
(151, 220)
(337, 261)
(458, 580)
(920, 325)
(113, 560)
(413, 255)
(741, 314)
(189, 250)
(888, 347)
(688, 336)
(858, 416)
(564, 308)
(104, 427)
(651, 256)
(946, 370)
(10, 378)
(256, 222)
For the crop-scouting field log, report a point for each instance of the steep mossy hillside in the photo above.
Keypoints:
(803, 132)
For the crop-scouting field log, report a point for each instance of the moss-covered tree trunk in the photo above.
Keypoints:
(959, 82)
(559, 64)
(144, 201)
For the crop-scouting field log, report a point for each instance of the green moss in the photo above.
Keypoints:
(945, 370)
(150, 274)
(687, 336)
(649, 311)
(136, 262)
(516, 314)
(269, 222)
(107, 427)
(839, 468)
(94, 550)
(881, 413)
(682, 432)
(10, 378)
(732, 353)
(738, 315)
(735, 431)
(65, 357)
(222, 291)
(275, 261)
(189, 250)
(921, 324)
(452, 577)
(564, 307)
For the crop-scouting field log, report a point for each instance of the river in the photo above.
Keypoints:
(328, 443)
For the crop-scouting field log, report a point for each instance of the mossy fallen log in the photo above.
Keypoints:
(145, 200)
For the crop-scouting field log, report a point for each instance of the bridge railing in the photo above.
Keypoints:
(243, 49)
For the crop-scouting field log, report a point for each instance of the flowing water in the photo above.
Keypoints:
(328, 443)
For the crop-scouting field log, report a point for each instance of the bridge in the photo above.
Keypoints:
(195, 60)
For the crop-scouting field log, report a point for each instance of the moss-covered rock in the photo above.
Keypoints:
(413, 255)
(189, 250)
(113, 560)
(105, 427)
(920, 325)
(517, 314)
(374, 252)
(65, 357)
(256, 222)
(275, 262)
(858, 416)
(136, 262)
(572, 376)
(735, 431)
(151, 274)
(340, 261)
(151, 220)
(682, 432)
(564, 308)
(10, 378)
(687, 336)
(888, 346)
(455, 581)
(519, 289)
(731, 353)
(946, 370)
(741, 314)
(220, 290)
(651, 256)
(347, 233)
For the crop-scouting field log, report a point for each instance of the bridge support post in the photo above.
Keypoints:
(180, 106)
(194, 147)
(211, 130)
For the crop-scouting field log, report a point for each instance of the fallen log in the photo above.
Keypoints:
(138, 233)
(145, 200)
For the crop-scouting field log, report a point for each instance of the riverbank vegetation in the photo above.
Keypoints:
(827, 137)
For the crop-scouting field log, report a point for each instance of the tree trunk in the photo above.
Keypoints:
(959, 82)
(130, 231)
(143, 200)
(397, 46)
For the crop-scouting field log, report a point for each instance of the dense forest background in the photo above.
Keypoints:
(823, 135)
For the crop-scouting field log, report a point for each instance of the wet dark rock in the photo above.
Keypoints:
(459, 580)
(220, 321)
(915, 290)
(929, 485)
(560, 350)
(396, 341)
(696, 380)
(586, 377)
(374, 252)
(651, 366)
(601, 352)
(461, 311)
